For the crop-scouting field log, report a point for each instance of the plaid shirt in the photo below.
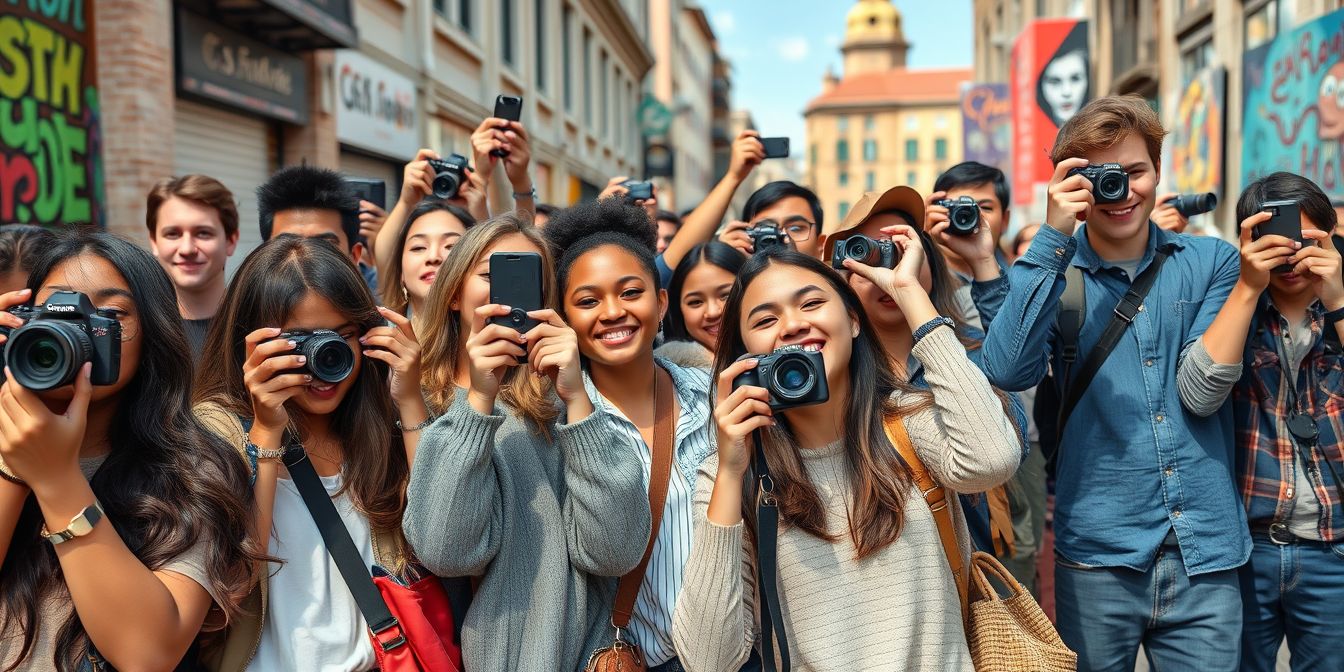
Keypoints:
(1266, 454)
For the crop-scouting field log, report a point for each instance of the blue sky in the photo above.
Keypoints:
(780, 50)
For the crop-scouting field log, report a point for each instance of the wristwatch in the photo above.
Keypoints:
(929, 326)
(530, 193)
(80, 525)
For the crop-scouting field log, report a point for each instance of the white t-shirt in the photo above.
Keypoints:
(312, 621)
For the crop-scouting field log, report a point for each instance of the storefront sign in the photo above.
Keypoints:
(376, 107)
(217, 63)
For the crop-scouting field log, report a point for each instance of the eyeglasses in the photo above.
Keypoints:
(798, 230)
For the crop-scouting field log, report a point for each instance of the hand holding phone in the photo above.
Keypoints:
(508, 108)
(515, 281)
(1285, 220)
(776, 148)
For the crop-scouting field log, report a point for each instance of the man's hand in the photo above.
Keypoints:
(747, 153)
(1070, 198)
(1168, 217)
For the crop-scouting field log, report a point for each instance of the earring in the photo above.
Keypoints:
(405, 295)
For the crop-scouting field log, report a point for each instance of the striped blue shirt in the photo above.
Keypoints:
(651, 624)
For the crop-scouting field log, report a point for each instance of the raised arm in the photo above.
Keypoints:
(700, 224)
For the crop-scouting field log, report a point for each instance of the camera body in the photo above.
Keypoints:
(766, 235)
(1110, 182)
(330, 358)
(792, 375)
(867, 251)
(449, 174)
(1190, 205)
(963, 215)
(57, 338)
(636, 190)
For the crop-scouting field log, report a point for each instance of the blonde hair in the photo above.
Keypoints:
(443, 341)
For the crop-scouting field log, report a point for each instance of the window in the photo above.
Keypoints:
(844, 209)
(911, 178)
(566, 76)
(1265, 20)
(587, 76)
(911, 150)
(940, 122)
(844, 178)
(539, 43)
(870, 181)
(1197, 56)
(869, 150)
(464, 14)
(605, 101)
(506, 21)
(869, 122)
(457, 11)
(912, 123)
(842, 123)
(812, 154)
(842, 150)
(940, 149)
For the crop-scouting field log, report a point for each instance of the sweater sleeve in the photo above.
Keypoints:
(966, 439)
(714, 626)
(454, 509)
(606, 505)
(1204, 384)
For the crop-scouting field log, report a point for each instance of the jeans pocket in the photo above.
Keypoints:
(1338, 548)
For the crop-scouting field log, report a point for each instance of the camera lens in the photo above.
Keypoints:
(793, 377)
(965, 218)
(1111, 186)
(445, 185)
(330, 358)
(518, 317)
(44, 354)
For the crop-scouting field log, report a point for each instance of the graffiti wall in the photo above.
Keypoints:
(1293, 102)
(1051, 73)
(1197, 134)
(987, 125)
(50, 143)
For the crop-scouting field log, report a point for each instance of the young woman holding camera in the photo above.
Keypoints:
(143, 510)
(273, 388)
(696, 295)
(520, 482)
(863, 580)
(431, 230)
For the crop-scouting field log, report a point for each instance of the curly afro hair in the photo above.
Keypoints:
(579, 229)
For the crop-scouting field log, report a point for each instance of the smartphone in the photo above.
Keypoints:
(515, 281)
(369, 189)
(508, 108)
(1285, 220)
(637, 191)
(776, 148)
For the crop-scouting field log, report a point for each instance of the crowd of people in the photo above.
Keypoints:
(702, 448)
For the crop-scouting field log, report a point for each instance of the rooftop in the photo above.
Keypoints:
(899, 85)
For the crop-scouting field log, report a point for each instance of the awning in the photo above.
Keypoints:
(294, 25)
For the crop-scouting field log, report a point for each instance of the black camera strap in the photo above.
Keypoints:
(1073, 306)
(767, 563)
(1301, 423)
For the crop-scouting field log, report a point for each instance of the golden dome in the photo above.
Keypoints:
(873, 20)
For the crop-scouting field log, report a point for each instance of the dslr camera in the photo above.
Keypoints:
(767, 234)
(963, 215)
(1110, 182)
(637, 191)
(57, 338)
(867, 251)
(792, 375)
(449, 174)
(330, 358)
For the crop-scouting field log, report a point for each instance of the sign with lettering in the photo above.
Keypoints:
(376, 107)
(217, 63)
(987, 125)
(51, 169)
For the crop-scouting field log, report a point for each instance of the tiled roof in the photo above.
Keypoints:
(898, 85)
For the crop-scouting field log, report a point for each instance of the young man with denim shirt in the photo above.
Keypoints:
(1278, 335)
(1149, 525)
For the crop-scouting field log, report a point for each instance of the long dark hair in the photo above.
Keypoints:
(715, 253)
(394, 296)
(265, 290)
(879, 480)
(168, 482)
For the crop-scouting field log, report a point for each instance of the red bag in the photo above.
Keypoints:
(421, 639)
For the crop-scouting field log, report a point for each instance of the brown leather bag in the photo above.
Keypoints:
(622, 655)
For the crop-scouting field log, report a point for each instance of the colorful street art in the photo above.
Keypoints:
(1293, 102)
(1051, 66)
(50, 141)
(987, 125)
(1197, 133)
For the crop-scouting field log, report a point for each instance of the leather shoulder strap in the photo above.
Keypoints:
(659, 474)
(936, 497)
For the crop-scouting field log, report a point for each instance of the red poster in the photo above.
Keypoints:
(1051, 72)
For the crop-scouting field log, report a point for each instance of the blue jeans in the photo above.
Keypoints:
(1183, 622)
(1295, 590)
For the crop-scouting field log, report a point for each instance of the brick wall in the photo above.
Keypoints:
(315, 143)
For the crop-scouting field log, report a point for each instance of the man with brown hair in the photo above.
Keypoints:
(193, 230)
(1149, 525)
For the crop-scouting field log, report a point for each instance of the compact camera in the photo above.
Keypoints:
(637, 191)
(330, 358)
(57, 338)
(963, 215)
(793, 376)
(449, 174)
(867, 251)
(766, 234)
(1110, 182)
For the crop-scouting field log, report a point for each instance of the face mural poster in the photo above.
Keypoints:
(1293, 102)
(987, 125)
(1197, 134)
(50, 143)
(1051, 81)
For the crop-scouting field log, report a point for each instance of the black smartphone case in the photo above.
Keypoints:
(776, 148)
(1286, 222)
(515, 281)
(508, 108)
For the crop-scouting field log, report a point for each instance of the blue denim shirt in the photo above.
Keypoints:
(1133, 463)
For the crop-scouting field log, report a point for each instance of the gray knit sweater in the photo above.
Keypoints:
(896, 609)
(544, 523)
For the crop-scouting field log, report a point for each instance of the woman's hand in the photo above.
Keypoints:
(39, 445)
(397, 347)
(268, 373)
(737, 414)
(417, 180)
(471, 195)
(492, 349)
(1320, 263)
(905, 276)
(553, 351)
(1260, 256)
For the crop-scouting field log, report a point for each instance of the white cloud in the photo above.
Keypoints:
(792, 49)
(724, 22)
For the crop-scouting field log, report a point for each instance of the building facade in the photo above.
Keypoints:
(682, 82)
(879, 123)
(355, 85)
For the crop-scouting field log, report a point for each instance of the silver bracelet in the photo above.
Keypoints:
(531, 193)
(427, 422)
